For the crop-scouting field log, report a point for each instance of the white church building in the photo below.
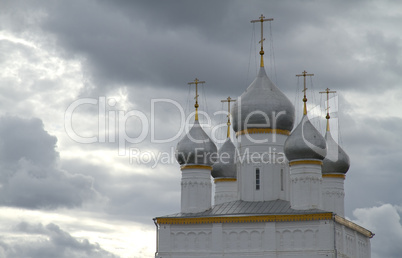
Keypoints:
(278, 193)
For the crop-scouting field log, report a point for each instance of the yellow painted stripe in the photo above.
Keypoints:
(196, 167)
(334, 175)
(225, 180)
(301, 162)
(262, 130)
(353, 226)
(246, 219)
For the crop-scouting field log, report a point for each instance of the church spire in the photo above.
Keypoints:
(196, 82)
(327, 91)
(262, 20)
(228, 100)
(304, 74)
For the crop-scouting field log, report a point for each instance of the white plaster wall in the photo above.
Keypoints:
(351, 244)
(263, 151)
(333, 195)
(196, 190)
(225, 191)
(306, 180)
(308, 239)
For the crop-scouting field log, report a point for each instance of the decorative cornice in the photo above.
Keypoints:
(262, 130)
(353, 226)
(334, 175)
(246, 219)
(202, 183)
(303, 162)
(336, 193)
(225, 180)
(196, 167)
(304, 179)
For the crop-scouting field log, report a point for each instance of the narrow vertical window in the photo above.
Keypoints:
(257, 179)
(281, 179)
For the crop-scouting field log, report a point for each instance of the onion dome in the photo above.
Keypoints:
(263, 106)
(336, 161)
(225, 165)
(305, 143)
(196, 148)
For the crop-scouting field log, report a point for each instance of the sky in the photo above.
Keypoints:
(94, 97)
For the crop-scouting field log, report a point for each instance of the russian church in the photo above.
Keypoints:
(279, 192)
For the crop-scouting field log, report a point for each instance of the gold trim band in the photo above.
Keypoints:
(246, 219)
(262, 130)
(301, 162)
(334, 175)
(196, 167)
(225, 180)
(353, 226)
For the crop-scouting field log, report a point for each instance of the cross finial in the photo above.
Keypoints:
(228, 100)
(262, 20)
(327, 91)
(196, 82)
(304, 74)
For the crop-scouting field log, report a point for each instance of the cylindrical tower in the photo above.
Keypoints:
(262, 119)
(334, 168)
(196, 153)
(224, 174)
(305, 149)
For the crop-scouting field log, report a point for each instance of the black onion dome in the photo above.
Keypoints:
(196, 148)
(260, 101)
(305, 143)
(225, 166)
(336, 161)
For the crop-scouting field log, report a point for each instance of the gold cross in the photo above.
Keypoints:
(196, 81)
(228, 100)
(262, 20)
(328, 91)
(304, 74)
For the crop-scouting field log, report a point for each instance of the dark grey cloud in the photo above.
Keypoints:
(157, 47)
(147, 42)
(31, 177)
(373, 145)
(26, 138)
(137, 196)
(50, 241)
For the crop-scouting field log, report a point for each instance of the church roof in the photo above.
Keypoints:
(196, 148)
(263, 105)
(225, 166)
(336, 161)
(243, 208)
(305, 142)
(267, 211)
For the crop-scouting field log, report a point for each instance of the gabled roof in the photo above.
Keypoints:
(243, 208)
(246, 212)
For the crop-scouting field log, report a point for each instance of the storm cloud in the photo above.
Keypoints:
(53, 53)
(31, 177)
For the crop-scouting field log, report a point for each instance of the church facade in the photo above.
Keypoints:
(278, 193)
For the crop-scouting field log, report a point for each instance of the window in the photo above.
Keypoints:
(257, 179)
(281, 179)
